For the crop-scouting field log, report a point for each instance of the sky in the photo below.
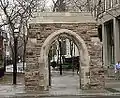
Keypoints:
(49, 2)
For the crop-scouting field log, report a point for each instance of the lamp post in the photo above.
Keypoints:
(16, 31)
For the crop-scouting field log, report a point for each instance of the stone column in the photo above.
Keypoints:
(104, 37)
(116, 39)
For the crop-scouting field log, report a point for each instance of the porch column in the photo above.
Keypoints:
(104, 37)
(116, 39)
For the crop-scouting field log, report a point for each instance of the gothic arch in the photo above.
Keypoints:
(83, 52)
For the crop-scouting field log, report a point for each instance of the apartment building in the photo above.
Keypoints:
(108, 16)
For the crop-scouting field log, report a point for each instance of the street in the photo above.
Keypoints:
(66, 97)
(60, 49)
(84, 97)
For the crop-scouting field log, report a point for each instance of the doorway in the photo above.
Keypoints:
(82, 53)
(63, 62)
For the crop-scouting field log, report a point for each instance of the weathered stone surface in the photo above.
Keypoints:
(37, 80)
(96, 69)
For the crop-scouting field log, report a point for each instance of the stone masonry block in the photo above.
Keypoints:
(35, 76)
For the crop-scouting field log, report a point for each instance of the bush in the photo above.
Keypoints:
(111, 66)
(67, 66)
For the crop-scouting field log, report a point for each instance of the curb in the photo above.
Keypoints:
(10, 73)
(55, 94)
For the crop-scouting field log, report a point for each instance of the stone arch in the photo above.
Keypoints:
(83, 52)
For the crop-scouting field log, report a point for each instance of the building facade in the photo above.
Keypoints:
(108, 16)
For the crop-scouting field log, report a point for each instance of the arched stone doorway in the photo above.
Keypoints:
(83, 52)
(40, 38)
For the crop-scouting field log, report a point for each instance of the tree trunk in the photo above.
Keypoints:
(24, 51)
(25, 38)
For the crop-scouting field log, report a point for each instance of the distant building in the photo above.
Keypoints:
(68, 50)
(108, 16)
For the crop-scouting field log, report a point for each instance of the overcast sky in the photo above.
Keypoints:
(49, 2)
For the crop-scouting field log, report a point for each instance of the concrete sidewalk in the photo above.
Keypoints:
(67, 84)
(10, 91)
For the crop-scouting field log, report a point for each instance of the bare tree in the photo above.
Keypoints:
(16, 14)
(59, 5)
(41, 5)
(77, 6)
(72, 5)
